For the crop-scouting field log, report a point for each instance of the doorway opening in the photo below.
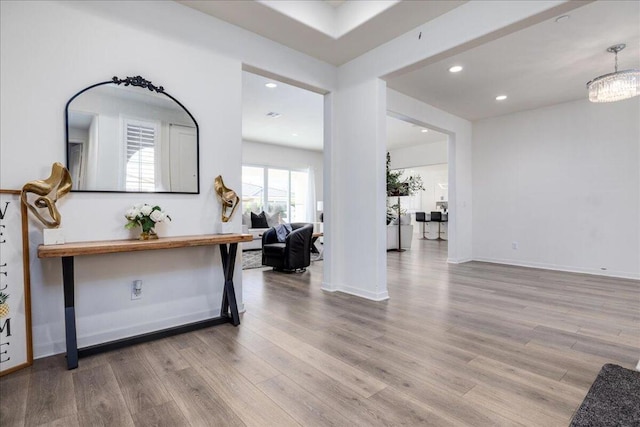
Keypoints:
(418, 219)
(282, 162)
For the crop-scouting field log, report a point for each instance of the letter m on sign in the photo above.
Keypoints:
(6, 326)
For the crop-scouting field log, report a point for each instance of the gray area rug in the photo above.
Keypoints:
(613, 399)
(252, 259)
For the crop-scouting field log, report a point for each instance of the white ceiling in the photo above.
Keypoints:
(301, 114)
(544, 64)
(335, 33)
(402, 134)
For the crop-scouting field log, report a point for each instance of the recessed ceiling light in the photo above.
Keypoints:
(271, 85)
(424, 130)
(294, 134)
(562, 18)
(273, 114)
(501, 97)
(455, 69)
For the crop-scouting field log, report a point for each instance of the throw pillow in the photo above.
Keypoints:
(246, 219)
(282, 231)
(259, 220)
(273, 219)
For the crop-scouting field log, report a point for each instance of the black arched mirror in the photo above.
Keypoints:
(128, 135)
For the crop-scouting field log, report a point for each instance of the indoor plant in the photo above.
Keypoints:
(145, 216)
(398, 187)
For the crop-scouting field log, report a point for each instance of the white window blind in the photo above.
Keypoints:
(140, 151)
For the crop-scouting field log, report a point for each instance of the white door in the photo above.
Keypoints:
(183, 152)
(75, 164)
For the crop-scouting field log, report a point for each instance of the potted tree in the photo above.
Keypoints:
(397, 186)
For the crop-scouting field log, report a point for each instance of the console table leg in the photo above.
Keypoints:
(229, 303)
(69, 312)
(314, 250)
(224, 253)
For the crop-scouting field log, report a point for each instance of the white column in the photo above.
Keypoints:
(357, 263)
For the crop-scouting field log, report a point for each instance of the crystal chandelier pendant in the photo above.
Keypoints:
(615, 86)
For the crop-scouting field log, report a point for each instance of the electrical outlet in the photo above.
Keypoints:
(136, 289)
(514, 245)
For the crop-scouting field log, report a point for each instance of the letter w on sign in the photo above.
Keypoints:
(4, 211)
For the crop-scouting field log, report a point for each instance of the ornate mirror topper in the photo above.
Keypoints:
(130, 135)
(138, 81)
(229, 200)
(43, 203)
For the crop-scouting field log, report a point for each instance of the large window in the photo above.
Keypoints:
(278, 193)
(252, 189)
(274, 190)
(300, 201)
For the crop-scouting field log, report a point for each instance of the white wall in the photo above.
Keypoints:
(564, 183)
(257, 153)
(50, 50)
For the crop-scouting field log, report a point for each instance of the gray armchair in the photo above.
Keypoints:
(292, 254)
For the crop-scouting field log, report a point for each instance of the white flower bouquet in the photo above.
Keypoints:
(145, 216)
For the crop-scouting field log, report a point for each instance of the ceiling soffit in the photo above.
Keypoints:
(384, 25)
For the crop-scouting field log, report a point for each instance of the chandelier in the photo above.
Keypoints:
(615, 86)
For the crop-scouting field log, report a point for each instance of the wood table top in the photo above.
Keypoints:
(116, 246)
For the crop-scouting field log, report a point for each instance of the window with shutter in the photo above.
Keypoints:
(141, 142)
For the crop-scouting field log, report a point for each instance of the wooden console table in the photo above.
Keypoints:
(228, 314)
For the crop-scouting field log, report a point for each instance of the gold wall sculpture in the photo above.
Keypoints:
(48, 191)
(228, 198)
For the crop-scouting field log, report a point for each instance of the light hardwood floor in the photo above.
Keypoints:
(473, 344)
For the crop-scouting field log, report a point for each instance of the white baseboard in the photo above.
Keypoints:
(568, 269)
(373, 296)
(56, 347)
(326, 286)
(458, 261)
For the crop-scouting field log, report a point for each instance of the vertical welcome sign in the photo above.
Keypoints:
(15, 304)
